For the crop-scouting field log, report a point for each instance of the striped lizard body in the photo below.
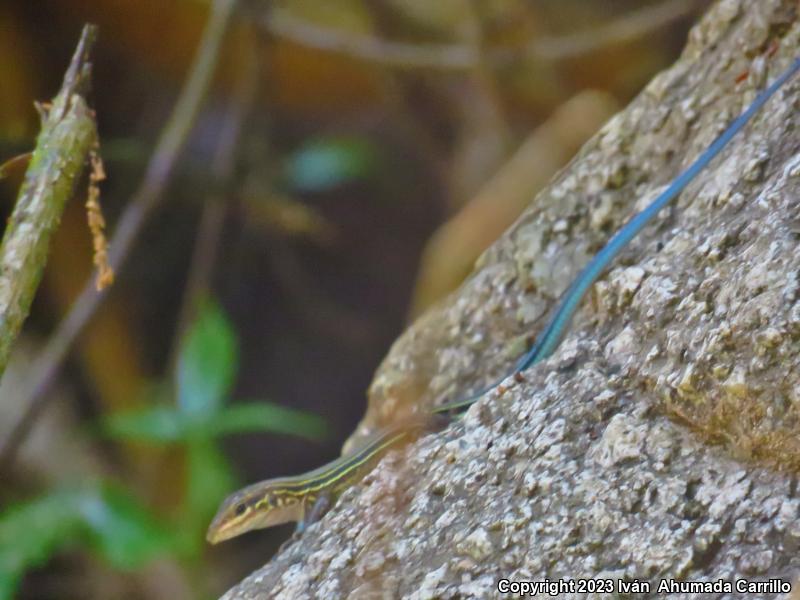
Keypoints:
(304, 498)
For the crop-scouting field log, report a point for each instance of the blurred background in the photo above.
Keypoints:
(349, 162)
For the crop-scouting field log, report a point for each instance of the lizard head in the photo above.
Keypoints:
(257, 506)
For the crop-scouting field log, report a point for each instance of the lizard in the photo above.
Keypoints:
(305, 498)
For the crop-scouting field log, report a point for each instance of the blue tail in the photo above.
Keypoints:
(547, 341)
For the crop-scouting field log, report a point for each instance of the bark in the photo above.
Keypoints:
(659, 441)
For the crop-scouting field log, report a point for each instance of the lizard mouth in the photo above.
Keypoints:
(217, 532)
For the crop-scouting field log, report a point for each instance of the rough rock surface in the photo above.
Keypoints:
(581, 469)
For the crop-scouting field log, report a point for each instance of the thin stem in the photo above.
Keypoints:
(150, 194)
(223, 164)
(462, 57)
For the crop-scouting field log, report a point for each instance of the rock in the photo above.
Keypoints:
(657, 442)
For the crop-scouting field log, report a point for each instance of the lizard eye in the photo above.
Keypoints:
(239, 510)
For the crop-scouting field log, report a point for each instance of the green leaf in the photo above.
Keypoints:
(31, 532)
(324, 163)
(207, 363)
(159, 424)
(120, 530)
(265, 416)
(113, 524)
(209, 479)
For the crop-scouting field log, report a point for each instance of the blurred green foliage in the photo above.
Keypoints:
(101, 517)
(206, 366)
(104, 517)
(323, 163)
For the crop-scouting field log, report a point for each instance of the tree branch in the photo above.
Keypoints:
(462, 57)
(68, 135)
(149, 195)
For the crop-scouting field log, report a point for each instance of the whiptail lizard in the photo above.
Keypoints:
(305, 498)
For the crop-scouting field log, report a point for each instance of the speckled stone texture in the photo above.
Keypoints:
(661, 439)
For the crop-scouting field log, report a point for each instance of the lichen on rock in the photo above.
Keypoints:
(605, 460)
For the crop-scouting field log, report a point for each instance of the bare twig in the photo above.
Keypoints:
(148, 196)
(632, 26)
(67, 137)
(365, 47)
(458, 57)
(222, 169)
(398, 98)
(482, 75)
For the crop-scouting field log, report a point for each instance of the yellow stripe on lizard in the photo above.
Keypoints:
(301, 498)
(304, 498)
